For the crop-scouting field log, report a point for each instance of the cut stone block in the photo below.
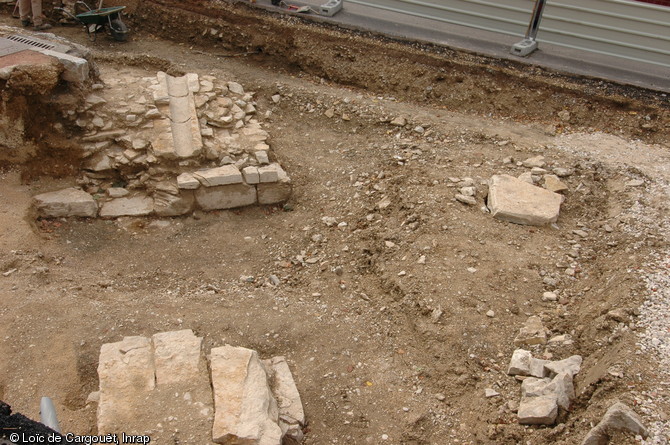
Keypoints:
(136, 206)
(76, 68)
(274, 192)
(178, 356)
(516, 201)
(227, 174)
(225, 196)
(67, 202)
(269, 173)
(560, 386)
(541, 410)
(537, 368)
(167, 204)
(291, 413)
(245, 410)
(251, 175)
(187, 181)
(126, 373)
(179, 135)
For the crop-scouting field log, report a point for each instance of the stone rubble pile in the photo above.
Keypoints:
(175, 144)
(160, 387)
(546, 388)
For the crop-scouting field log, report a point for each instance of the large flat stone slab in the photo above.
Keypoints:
(227, 174)
(246, 412)
(126, 373)
(67, 202)
(167, 204)
(225, 196)
(511, 199)
(136, 206)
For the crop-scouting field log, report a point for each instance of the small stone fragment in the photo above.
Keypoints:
(532, 333)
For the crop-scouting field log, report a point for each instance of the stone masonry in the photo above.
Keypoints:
(168, 145)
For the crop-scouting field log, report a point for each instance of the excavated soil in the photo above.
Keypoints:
(385, 320)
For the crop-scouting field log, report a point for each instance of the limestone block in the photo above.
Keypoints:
(511, 199)
(537, 368)
(541, 410)
(139, 205)
(225, 196)
(269, 173)
(560, 386)
(570, 365)
(520, 363)
(187, 181)
(533, 332)
(619, 417)
(76, 69)
(67, 202)
(251, 175)
(193, 82)
(274, 192)
(167, 204)
(177, 357)
(126, 373)
(262, 157)
(291, 413)
(117, 192)
(245, 410)
(98, 162)
(227, 174)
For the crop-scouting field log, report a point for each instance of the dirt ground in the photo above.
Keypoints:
(383, 319)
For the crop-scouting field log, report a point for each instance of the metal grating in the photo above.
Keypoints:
(39, 43)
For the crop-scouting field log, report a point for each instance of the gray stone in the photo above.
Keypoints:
(269, 173)
(553, 184)
(227, 174)
(168, 204)
(560, 386)
(245, 410)
(262, 157)
(541, 410)
(536, 161)
(225, 196)
(570, 365)
(516, 201)
(537, 368)
(520, 363)
(187, 181)
(469, 200)
(76, 68)
(67, 202)
(117, 192)
(533, 332)
(251, 175)
(619, 417)
(139, 205)
(235, 88)
(399, 121)
(98, 162)
(562, 172)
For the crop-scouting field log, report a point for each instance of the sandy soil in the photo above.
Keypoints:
(381, 345)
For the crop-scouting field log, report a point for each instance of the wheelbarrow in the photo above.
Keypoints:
(100, 20)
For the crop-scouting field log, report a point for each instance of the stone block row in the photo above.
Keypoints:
(145, 381)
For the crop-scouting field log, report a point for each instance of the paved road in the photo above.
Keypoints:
(494, 44)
